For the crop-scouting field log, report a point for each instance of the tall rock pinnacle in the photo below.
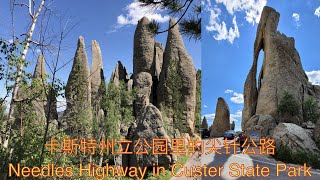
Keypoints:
(98, 86)
(281, 73)
(177, 85)
(143, 51)
(40, 70)
(221, 121)
(78, 91)
(97, 68)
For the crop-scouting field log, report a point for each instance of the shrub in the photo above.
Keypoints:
(288, 104)
(310, 110)
(285, 154)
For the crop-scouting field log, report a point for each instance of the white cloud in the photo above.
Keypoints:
(317, 12)
(134, 12)
(236, 97)
(314, 77)
(209, 117)
(61, 104)
(233, 117)
(296, 18)
(220, 27)
(252, 8)
(205, 106)
(236, 116)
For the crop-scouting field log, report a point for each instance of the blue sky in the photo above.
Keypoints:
(228, 34)
(111, 23)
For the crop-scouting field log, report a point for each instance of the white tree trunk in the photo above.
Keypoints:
(17, 84)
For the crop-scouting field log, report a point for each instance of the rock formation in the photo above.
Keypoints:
(204, 124)
(143, 52)
(148, 126)
(221, 121)
(265, 124)
(157, 59)
(119, 74)
(176, 91)
(143, 85)
(98, 84)
(232, 126)
(295, 138)
(281, 72)
(78, 113)
(97, 76)
(39, 104)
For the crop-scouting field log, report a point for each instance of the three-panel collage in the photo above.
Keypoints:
(159, 89)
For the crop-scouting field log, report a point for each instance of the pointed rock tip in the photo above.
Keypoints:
(95, 42)
(144, 20)
(80, 41)
(172, 21)
(268, 10)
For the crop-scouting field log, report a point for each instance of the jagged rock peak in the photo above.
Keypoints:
(40, 69)
(119, 73)
(143, 51)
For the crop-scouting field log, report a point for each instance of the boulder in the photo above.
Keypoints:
(308, 125)
(316, 133)
(281, 71)
(143, 50)
(176, 91)
(295, 138)
(265, 124)
(143, 84)
(148, 126)
(221, 121)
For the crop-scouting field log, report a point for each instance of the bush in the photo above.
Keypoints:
(310, 110)
(285, 154)
(288, 104)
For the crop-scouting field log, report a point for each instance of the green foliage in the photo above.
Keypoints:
(9, 62)
(285, 154)
(118, 107)
(311, 110)
(197, 118)
(154, 27)
(288, 104)
(174, 81)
